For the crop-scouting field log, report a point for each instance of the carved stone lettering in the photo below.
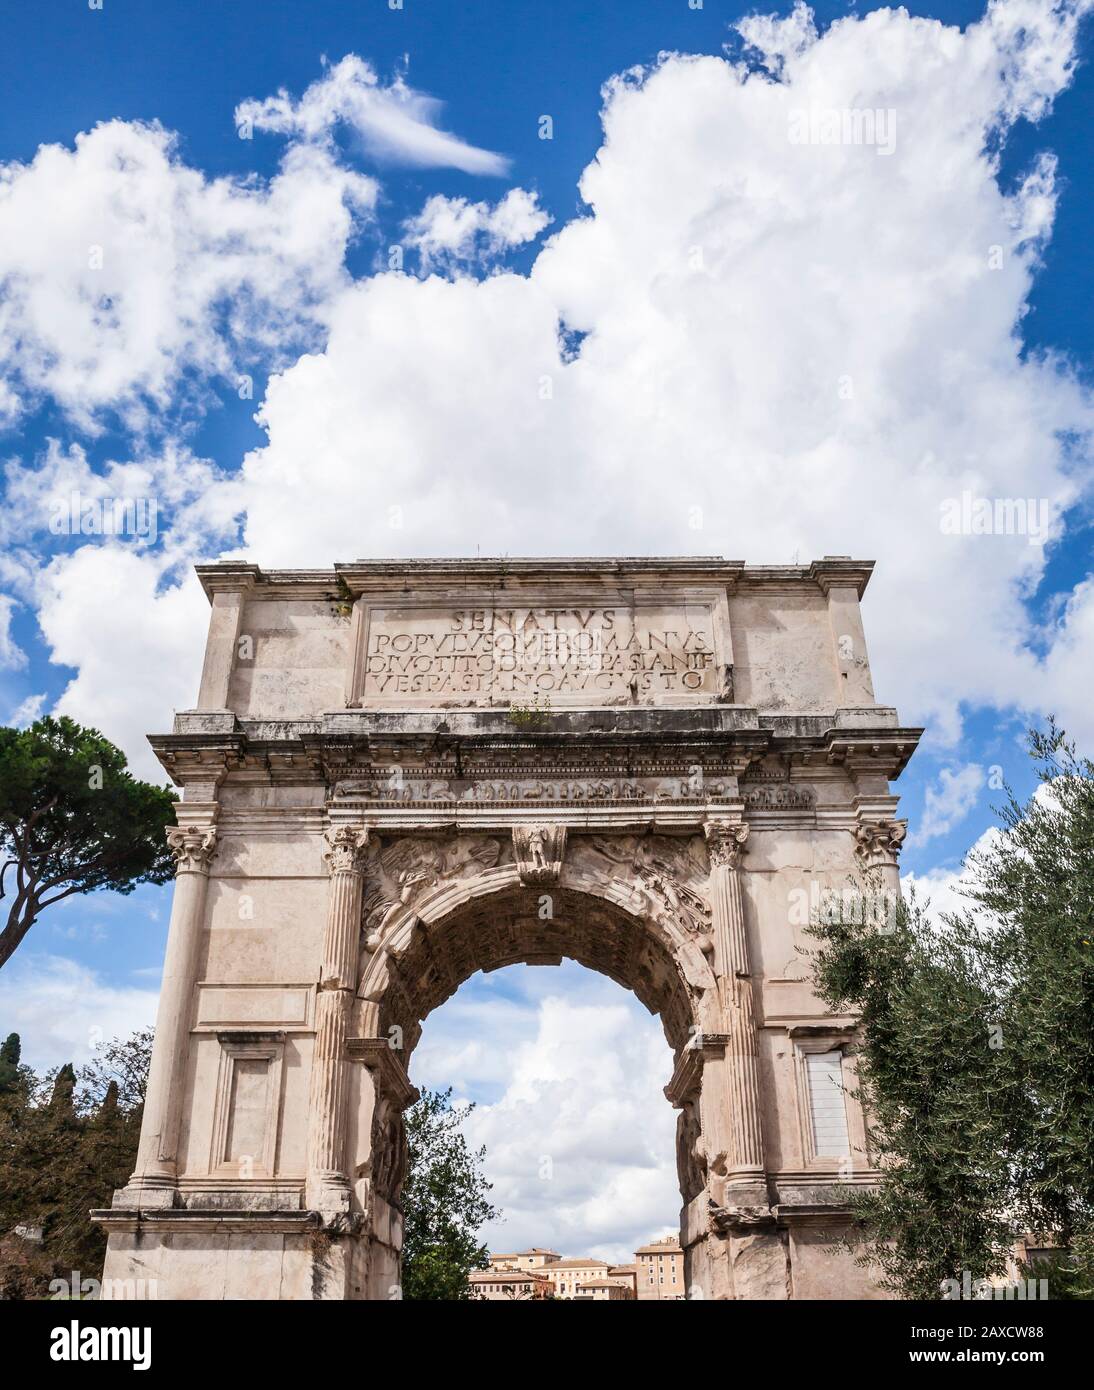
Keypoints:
(584, 654)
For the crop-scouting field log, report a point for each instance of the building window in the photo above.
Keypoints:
(827, 1107)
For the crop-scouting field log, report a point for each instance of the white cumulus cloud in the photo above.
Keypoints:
(449, 230)
(948, 802)
(12, 656)
(62, 1010)
(124, 273)
(789, 348)
(751, 344)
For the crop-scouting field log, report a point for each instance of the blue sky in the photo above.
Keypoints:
(957, 385)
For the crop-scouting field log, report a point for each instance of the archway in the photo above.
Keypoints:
(562, 1072)
(440, 909)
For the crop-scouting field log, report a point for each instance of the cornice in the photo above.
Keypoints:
(830, 572)
(446, 575)
(483, 743)
(234, 576)
(840, 571)
(882, 751)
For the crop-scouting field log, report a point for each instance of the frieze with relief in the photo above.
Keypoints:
(398, 788)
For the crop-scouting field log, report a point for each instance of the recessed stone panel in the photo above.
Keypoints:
(657, 649)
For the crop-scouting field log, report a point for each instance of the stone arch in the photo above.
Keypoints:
(722, 754)
(418, 952)
(602, 924)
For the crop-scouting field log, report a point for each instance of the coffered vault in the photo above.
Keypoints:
(401, 772)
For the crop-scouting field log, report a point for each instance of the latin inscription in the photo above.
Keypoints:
(599, 654)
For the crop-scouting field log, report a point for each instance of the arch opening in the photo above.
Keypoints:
(566, 1071)
(416, 960)
(528, 927)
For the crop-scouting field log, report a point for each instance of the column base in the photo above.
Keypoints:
(744, 1246)
(147, 1194)
(219, 1253)
(194, 1254)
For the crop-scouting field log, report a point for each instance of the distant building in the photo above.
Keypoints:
(567, 1276)
(661, 1270)
(524, 1259)
(657, 1273)
(607, 1290)
(508, 1285)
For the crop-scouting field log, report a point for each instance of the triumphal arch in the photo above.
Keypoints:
(401, 773)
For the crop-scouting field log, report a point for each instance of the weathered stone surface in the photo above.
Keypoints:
(760, 1265)
(399, 774)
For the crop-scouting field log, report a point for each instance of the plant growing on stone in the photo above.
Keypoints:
(73, 819)
(342, 602)
(531, 717)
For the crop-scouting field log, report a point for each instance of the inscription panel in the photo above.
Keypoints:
(655, 650)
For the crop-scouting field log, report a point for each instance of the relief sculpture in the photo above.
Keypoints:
(669, 873)
(389, 1150)
(538, 850)
(691, 1166)
(402, 870)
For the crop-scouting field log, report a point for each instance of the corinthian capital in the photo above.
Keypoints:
(879, 842)
(347, 848)
(193, 847)
(725, 841)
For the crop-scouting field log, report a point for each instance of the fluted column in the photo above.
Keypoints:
(328, 1184)
(193, 845)
(725, 842)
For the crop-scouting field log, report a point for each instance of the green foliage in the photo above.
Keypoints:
(72, 820)
(64, 1088)
(342, 602)
(121, 1065)
(66, 1142)
(445, 1202)
(10, 1071)
(531, 717)
(1070, 1273)
(977, 1061)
